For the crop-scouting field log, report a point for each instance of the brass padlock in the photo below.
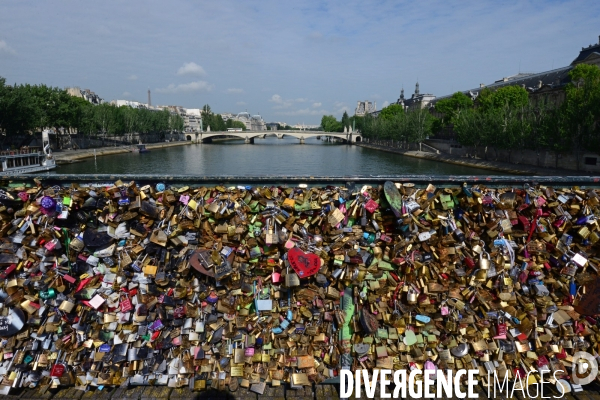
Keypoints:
(484, 263)
(412, 296)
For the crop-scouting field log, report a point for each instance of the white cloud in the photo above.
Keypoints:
(196, 86)
(126, 94)
(316, 105)
(5, 48)
(276, 99)
(234, 90)
(132, 77)
(191, 68)
(241, 103)
(385, 104)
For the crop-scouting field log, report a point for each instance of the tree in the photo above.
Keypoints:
(330, 124)
(451, 106)
(511, 96)
(390, 112)
(237, 124)
(581, 109)
(345, 120)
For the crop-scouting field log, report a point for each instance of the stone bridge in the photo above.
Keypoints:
(249, 136)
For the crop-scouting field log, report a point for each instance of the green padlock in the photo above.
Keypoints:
(48, 294)
(447, 202)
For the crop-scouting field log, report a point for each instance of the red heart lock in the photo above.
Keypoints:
(304, 264)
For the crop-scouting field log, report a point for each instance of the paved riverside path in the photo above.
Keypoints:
(72, 155)
(511, 168)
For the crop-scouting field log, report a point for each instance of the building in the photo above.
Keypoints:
(589, 55)
(252, 122)
(417, 101)
(85, 94)
(543, 87)
(273, 126)
(193, 120)
(365, 107)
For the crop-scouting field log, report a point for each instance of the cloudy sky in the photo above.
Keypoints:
(290, 61)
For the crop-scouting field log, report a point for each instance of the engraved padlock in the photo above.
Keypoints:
(500, 329)
(291, 279)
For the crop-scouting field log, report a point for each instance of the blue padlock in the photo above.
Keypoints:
(423, 318)
(572, 288)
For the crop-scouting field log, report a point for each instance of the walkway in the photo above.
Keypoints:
(66, 156)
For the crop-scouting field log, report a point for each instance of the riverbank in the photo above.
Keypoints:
(509, 168)
(69, 156)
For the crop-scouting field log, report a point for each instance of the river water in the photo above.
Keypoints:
(269, 156)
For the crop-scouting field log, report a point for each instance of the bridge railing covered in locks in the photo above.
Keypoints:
(185, 281)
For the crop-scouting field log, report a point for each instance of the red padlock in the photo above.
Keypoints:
(59, 368)
(500, 329)
(469, 262)
(126, 304)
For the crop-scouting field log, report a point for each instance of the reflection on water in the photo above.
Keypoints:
(270, 156)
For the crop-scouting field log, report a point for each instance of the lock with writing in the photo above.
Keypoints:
(500, 329)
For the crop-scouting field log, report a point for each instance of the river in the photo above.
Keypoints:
(269, 156)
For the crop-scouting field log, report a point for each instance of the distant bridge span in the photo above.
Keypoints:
(249, 136)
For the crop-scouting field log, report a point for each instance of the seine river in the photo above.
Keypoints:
(269, 156)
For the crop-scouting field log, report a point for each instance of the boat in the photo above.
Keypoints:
(28, 159)
(141, 148)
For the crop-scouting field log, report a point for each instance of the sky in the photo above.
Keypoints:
(289, 61)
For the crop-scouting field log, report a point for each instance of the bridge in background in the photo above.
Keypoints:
(249, 136)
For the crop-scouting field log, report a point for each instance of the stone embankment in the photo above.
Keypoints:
(509, 168)
(69, 156)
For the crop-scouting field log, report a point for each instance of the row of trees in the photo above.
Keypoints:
(506, 118)
(27, 108)
(216, 123)
(393, 123)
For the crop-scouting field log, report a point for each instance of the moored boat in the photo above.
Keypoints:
(28, 159)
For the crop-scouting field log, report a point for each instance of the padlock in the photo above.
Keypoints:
(484, 263)
(291, 279)
(500, 329)
(411, 296)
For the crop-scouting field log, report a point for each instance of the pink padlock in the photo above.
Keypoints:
(276, 277)
(430, 367)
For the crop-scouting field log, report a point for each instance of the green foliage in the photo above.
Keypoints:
(511, 96)
(345, 120)
(215, 121)
(236, 124)
(399, 125)
(330, 124)
(392, 111)
(27, 108)
(450, 108)
(505, 119)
